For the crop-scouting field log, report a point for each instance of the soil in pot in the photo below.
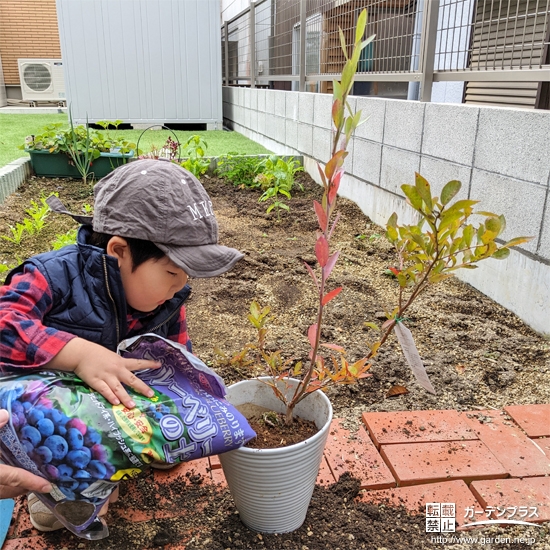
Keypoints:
(272, 431)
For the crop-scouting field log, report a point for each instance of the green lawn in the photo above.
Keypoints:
(14, 129)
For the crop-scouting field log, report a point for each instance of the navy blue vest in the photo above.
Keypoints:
(88, 296)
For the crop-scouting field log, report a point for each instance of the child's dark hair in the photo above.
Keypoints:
(140, 250)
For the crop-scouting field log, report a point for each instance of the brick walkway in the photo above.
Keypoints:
(478, 460)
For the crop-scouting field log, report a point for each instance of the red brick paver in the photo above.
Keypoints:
(325, 477)
(415, 498)
(543, 444)
(215, 462)
(534, 420)
(509, 444)
(417, 427)
(418, 463)
(357, 455)
(533, 492)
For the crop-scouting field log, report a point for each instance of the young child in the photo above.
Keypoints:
(153, 226)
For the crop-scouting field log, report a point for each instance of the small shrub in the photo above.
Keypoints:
(277, 178)
(64, 239)
(240, 170)
(195, 150)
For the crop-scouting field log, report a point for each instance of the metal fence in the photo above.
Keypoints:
(294, 44)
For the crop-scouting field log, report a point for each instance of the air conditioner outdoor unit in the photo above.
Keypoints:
(42, 79)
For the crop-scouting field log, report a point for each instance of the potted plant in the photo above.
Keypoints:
(77, 151)
(272, 487)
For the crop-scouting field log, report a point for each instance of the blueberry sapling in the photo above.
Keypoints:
(322, 371)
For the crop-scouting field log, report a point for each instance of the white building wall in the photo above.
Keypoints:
(144, 61)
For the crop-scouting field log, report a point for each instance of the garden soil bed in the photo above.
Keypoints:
(478, 355)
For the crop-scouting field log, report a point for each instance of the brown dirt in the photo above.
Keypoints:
(477, 354)
(273, 433)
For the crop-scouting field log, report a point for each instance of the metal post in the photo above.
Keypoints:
(429, 36)
(226, 50)
(303, 23)
(252, 45)
(414, 87)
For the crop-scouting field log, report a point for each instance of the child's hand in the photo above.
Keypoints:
(103, 370)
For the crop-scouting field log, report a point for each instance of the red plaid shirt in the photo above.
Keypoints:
(26, 342)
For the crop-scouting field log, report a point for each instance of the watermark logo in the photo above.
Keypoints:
(441, 516)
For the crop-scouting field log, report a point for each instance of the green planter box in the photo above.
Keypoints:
(59, 165)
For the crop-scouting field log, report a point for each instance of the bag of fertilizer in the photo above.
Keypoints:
(71, 435)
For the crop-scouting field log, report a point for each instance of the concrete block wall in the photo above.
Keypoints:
(13, 175)
(501, 156)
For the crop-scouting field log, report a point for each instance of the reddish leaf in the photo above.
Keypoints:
(460, 369)
(321, 251)
(321, 215)
(387, 323)
(337, 112)
(395, 391)
(338, 176)
(394, 270)
(335, 347)
(311, 333)
(332, 294)
(323, 177)
(312, 273)
(334, 163)
(330, 264)
(333, 190)
(333, 225)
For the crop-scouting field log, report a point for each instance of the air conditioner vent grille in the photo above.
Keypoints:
(37, 77)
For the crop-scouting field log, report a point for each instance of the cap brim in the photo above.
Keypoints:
(208, 260)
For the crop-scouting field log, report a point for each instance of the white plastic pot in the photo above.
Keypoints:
(272, 488)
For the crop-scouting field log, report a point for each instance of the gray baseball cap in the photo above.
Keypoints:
(161, 202)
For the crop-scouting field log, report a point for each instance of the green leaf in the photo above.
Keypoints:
(347, 76)
(337, 90)
(392, 233)
(501, 253)
(374, 326)
(517, 241)
(366, 42)
(423, 189)
(449, 191)
(448, 218)
(502, 223)
(360, 26)
(337, 113)
(468, 234)
(438, 277)
(487, 214)
(392, 222)
(412, 194)
(343, 42)
(493, 224)
(464, 205)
